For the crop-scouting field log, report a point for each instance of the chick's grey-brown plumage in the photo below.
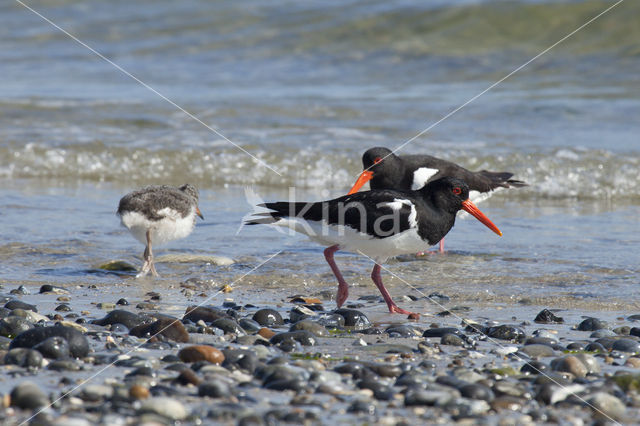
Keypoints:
(158, 214)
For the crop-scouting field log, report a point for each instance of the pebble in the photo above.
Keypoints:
(228, 326)
(28, 396)
(78, 343)
(214, 389)
(169, 408)
(304, 337)
(402, 331)
(268, 317)
(24, 357)
(207, 314)
(506, 332)
(545, 316)
(440, 331)
(353, 318)
(537, 351)
(12, 326)
(570, 364)
(19, 304)
(170, 328)
(606, 407)
(313, 327)
(138, 392)
(119, 316)
(197, 353)
(452, 340)
(54, 347)
(626, 345)
(592, 324)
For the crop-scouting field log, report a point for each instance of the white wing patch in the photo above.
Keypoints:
(421, 176)
(397, 204)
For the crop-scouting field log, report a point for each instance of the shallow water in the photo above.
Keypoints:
(307, 88)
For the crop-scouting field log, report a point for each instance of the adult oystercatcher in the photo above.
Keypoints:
(378, 224)
(385, 170)
(158, 214)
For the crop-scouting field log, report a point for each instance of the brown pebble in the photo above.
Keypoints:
(201, 353)
(63, 299)
(138, 392)
(633, 362)
(414, 316)
(226, 288)
(266, 333)
(170, 328)
(188, 376)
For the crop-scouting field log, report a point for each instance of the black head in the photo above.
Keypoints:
(378, 158)
(447, 193)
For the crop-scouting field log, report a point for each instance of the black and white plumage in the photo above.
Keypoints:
(158, 214)
(385, 170)
(378, 224)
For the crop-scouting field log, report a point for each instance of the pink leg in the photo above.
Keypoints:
(441, 250)
(377, 280)
(343, 287)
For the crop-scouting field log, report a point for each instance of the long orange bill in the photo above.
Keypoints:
(471, 208)
(364, 177)
(199, 213)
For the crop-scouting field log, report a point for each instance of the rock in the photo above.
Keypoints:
(123, 302)
(197, 353)
(451, 339)
(507, 402)
(603, 332)
(310, 326)
(214, 389)
(19, 304)
(167, 407)
(626, 345)
(207, 314)
(138, 392)
(506, 332)
(249, 325)
(537, 351)
(242, 359)
(12, 326)
(28, 396)
(606, 407)
(78, 343)
(117, 266)
(353, 318)
(228, 326)
(570, 364)
(120, 316)
(266, 333)
(95, 393)
(633, 362)
(170, 328)
(550, 393)
(24, 357)
(55, 347)
(592, 324)
(304, 337)
(438, 398)
(402, 331)
(534, 367)
(48, 288)
(63, 307)
(441, 331)
(590, 362)
(477, 391)
(106, 305)
(545, 316)
(188, 376)
(268, 317)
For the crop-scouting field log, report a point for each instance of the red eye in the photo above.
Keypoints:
(377, 160)
(457, 190)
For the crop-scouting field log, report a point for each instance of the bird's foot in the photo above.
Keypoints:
(394, 309)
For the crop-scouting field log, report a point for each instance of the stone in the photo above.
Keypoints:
(304, 337)
(55, 347)
(545, 316)
(268, 317)
(310, 326)
(592, 324)
(228, 326)
(506, 332)
(24, 357)
(214, 389)
(78, 343)
(441, 331)
(452, 340)
(537, 351)
(19, 304)
(606, 407)
(353, 318)
(207, 314)
(28, 396)
(626, 345)
(138, 392)
(406, 331)
(167, 407)
(12, 326)
(570, 364)
(120, 316)
(197, 353)
(170, 328)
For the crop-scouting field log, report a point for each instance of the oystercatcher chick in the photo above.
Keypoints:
(158, 214)
(378, 224)
(385, 170)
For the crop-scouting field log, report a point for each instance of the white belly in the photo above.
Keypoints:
(171, 227)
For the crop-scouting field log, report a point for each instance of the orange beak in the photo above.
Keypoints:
(364, 177)
(199, 213)
(471, 208)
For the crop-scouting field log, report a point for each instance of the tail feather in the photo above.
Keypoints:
(502, 179)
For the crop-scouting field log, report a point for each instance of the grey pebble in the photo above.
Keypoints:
(28, 396)
(24, 357)
(452, 340)
(54, 347)
(268, 317)
(592, 324)
(311, 326)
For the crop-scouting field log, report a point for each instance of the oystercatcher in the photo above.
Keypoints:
(158, 214)
(378, 224)
(385, 170)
